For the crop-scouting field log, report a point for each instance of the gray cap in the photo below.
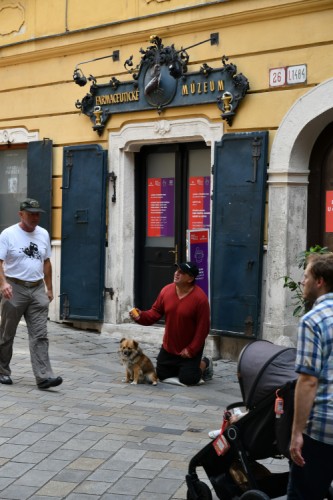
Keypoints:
(32, 206)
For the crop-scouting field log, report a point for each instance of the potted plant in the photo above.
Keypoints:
(300, 305)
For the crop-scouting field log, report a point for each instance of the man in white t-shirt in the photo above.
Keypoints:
(26, 289)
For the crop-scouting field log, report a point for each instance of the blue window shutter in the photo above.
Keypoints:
(39, 166)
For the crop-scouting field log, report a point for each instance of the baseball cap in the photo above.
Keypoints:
(30, 205)
(188, 268)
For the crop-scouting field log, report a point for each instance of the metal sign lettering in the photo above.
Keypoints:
(161, 80)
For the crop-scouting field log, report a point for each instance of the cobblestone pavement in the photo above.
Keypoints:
(96, 437)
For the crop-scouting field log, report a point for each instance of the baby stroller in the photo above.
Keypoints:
(265, 371)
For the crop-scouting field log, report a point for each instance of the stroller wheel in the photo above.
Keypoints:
(254, 495)
(202, 491)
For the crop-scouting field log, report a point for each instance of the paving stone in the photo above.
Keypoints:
(52, 465)
(71, 475)
(57, 488)
(11, 450)
(15, 469)
(65, 454)
(129, 455)
(94, 487)
(15, 492)
(45, 446)
(30, 457)
(142, 473)
(28, 437)
(129, 486)
(6, 481)
(86, 463)
(114, 496)
(35, 478)
(95, 437)
(150, 464)
(82, 496)
(163, 486)
(7, 432)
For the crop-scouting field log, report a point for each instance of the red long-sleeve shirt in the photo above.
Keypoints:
(186, 320)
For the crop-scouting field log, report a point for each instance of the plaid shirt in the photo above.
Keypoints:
(315, 357)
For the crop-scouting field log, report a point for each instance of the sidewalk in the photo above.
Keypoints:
(95, 437)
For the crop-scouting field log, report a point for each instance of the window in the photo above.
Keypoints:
(13, 182)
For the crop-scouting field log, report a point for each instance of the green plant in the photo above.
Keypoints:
(300, 305)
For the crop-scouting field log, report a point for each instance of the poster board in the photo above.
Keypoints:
(198, 252)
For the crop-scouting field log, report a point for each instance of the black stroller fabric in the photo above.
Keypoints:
(263, 369)
(284, 423)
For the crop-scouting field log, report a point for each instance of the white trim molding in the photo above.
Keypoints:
(121, 244)
(17, 136)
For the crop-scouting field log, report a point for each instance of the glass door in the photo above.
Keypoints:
(172, 182)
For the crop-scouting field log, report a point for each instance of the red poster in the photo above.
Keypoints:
(197, 237)
(154, 212)
(199, 202)
(329, 212)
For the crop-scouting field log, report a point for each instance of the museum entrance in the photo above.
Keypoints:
(173, 192)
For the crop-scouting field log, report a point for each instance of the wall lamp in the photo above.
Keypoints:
(78, 75)
(179, 62)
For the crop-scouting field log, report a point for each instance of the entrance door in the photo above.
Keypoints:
(165, 211)
(320, 199)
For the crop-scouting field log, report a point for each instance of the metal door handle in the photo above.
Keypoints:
(175, 252)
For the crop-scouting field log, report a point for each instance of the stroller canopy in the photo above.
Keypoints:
(263, 367)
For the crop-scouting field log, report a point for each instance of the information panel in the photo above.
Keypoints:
(161, 201)
(199, 202)
(198, 252)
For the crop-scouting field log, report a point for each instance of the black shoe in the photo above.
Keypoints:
(49, 382)
(5, 379)
(209, 370)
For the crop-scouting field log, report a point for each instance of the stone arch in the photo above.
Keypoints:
(287, 216)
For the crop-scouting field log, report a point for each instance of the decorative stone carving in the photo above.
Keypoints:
(12, 16)
(162, 127)
(17, 136)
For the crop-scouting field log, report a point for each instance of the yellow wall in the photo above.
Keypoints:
(42, 42)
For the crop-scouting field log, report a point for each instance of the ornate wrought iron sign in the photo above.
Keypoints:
(161, 80)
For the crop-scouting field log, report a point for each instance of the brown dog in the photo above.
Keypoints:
(139, 368)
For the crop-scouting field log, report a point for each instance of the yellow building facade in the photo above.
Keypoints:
(179, 131)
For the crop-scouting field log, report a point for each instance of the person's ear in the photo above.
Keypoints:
(321, 283)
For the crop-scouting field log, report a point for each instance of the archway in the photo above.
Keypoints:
(288, 192)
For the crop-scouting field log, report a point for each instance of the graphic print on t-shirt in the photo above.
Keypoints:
(32, 251)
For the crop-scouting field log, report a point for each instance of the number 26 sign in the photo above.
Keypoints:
(287, 75)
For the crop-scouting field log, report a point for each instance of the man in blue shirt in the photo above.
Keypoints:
(311, 447)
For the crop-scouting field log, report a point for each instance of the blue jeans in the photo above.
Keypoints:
(312, 481)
